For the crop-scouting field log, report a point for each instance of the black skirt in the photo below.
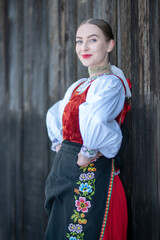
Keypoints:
(77, 198)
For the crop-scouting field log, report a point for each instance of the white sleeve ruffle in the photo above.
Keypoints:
(54, 116)
(99, 130)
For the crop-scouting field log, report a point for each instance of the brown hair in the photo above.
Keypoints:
(103, 25)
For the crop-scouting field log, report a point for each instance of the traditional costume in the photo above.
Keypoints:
(87, 203)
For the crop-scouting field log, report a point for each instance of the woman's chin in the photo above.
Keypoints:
(85, 64)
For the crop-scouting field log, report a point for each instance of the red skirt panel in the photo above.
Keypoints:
(117, 221)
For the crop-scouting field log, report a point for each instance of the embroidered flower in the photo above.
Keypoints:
(83, 177)
(72, 238)
(82, 221)
(76, 190)
(82, 215)
(91, 169)
(78, 228)
(90, 175)
(91, 164)
(84, 187)
(72, 227)
(82, 204)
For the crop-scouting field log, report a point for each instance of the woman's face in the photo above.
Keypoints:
(91, 46)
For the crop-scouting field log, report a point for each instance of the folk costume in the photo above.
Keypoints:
(87, 203)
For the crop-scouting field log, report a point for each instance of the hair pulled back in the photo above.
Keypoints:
(103, 25)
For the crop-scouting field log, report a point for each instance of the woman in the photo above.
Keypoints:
(85, 199)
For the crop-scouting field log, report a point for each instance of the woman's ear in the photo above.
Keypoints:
(111, 44)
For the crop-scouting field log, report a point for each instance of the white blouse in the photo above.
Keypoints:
(98, 127)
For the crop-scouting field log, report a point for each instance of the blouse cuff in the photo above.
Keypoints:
(55, 142)
(88, 152)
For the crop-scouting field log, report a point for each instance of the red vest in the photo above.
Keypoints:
(70, 119)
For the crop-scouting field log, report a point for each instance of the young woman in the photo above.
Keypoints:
(85, 199)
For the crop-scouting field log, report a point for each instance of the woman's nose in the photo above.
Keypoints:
(85, 46)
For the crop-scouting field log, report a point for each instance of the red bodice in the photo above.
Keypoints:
(70, 119)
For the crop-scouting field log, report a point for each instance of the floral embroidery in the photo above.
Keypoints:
(78, 228)
(82, 204)
(83, 177)
(83, 198)
(76, 190)
(88, 151)
(72, 238)
(92, 169)
(72, 227)
(88, 176)
(84, 187)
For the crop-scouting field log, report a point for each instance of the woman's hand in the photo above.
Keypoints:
(84, 161)
(58, 147)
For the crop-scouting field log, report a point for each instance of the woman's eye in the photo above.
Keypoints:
(93, 40)
(79, 42)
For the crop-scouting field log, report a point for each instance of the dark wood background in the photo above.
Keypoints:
(37, 64)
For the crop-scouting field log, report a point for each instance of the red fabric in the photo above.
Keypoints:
(120, 118)
(71, 129)
(129, 83)
(117, 221)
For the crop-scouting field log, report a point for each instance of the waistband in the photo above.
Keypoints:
(71, 146)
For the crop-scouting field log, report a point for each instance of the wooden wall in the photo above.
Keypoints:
(37, 64)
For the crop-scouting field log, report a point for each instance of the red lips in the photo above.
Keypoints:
(86, 56)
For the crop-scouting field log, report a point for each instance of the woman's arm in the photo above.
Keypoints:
(54, 118)
(99, 130)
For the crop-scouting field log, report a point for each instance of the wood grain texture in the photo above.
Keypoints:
(109, 13)
(36, 94)
(37, 64)
(69, 44)
(145, 122)
(84, 12)
(123, 57)
(54, 50)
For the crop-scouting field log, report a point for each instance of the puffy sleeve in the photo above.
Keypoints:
(54, 117)
(99, 130)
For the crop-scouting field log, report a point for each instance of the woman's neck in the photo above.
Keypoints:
(99, 73)
(99, 70)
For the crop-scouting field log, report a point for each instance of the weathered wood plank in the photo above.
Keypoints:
(123, 46)
(16, 93)
(140, 131)
(37, 64)
(109, 14)
(97, 8)
(144, 160)
(3, 57)
(12, 112)
(62, 31)
(106, 10)
(155, 117)
(84, 12)
(34, 174)
(35, 163)
(54, 51)
(5, 169)
(5, 179)
(69, 44)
